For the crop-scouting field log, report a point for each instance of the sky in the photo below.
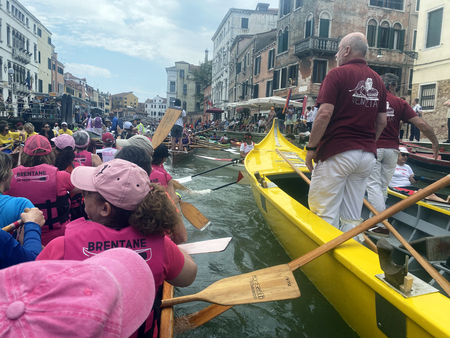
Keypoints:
(125, 45)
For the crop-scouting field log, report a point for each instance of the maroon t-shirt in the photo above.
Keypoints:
(358, 95)
(397, 110)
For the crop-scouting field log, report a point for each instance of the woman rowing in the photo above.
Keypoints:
(247, 145)
(44, 185)
(125, 210)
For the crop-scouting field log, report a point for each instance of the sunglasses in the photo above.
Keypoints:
(405, 155)
(46, 127)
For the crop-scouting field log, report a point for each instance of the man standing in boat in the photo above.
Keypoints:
(177, 129)
(351, 117)
(387, 147)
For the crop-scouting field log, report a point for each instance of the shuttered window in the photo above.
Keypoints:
(434, 28)
(428, 96)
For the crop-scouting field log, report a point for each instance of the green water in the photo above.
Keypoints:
(233, 212)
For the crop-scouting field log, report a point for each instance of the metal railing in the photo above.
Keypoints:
(21, 55)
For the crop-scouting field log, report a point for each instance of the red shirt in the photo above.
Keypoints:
(397, 110)
(358, 95)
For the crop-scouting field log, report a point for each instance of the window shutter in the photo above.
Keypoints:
(308, 29)
(379, 36)
(371, 31)
(391, 38)
(324, 28)
(285, 40)
(401, 42)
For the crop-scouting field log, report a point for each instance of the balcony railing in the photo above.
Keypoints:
(21, 89)
(314, 45)
(21, 55)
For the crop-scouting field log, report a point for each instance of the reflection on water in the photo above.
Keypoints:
(233, 212)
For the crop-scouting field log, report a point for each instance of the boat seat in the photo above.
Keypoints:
(431, 229)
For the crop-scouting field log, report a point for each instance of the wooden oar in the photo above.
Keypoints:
(209, 246)
(178, 186)
(275, 283)
(194, 216)
(170, 117)
(199, 319)
(189, 178)
(368, 241)
(241, 177)
(16, 224)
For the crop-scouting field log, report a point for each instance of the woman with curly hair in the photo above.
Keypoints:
(125, 210)
(44, 185)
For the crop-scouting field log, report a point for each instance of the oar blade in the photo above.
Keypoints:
(184, 179)
(195, 217)
(178, 186)
(209, 246)
(266, 285)
(243, 178)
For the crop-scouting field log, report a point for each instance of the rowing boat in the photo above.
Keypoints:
(220, 161)
(349, 277)
(178, 156)
(423, 157)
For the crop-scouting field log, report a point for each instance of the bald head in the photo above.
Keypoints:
(352, 46)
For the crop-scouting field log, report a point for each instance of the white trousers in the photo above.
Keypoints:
(338, 186)
(378, 182)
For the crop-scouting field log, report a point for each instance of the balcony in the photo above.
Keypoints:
(21, 55)
(314, 45)
(21, 89)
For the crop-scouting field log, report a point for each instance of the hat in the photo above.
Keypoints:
(63, 141)
(18, 124)
(107, 138)
(81, 138)
(121, 183)
(35, 143)
(161, 151)
(403, 150)
(272, 108)
(109, 295)
(64, 124)
(140, 141)
(127, 125)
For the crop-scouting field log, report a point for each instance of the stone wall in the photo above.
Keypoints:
(437, 118)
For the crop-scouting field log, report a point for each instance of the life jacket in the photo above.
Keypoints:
(84, 239)
(141, 128)
(85, 157)
(98, 122)
(158, 176)
(38, 184)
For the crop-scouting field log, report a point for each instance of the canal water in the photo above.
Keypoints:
(233, 213)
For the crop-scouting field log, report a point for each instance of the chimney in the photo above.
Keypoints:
(206, 55)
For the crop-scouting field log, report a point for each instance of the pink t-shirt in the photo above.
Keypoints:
(159, 175)
(63, 184)
(358, 95)
(397, 110)
(173, 258)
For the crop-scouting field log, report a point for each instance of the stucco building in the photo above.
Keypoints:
(156, 107)
(309, 32)
(57, 75)
(45, 50)
(236, 22)
(123, 100)
(431, 75)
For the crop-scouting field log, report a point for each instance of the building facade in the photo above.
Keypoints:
(309, 32)
(181, 85)
(19, 67)
(431, 75)
(45, 51)
(104, 102)
(57, 75)
(123, 100)
(236, 22)
(156, 107)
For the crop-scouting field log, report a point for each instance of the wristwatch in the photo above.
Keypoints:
(311, 148)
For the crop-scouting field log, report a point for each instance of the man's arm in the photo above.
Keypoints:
(319, 127)
(428, 132)
(380, 124)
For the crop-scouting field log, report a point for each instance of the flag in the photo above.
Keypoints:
(287, 101)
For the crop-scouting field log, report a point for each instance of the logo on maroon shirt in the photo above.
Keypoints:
(389, 112)
(364, 94)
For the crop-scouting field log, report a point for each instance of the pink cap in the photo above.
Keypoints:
(37, 145)
(108, 295)
(121, 183)
(63, 141)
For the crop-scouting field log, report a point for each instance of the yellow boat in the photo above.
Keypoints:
(349, 276)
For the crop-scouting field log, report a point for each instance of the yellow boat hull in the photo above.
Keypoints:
(346, 276)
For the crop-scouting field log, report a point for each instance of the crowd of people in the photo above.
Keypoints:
(71, 201)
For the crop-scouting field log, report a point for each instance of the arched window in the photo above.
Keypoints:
(398, 39)
(383, 35)
(309, 28)
(185, 89)
(280, 41)
(283, 40)
(324, 25)
(372, 32)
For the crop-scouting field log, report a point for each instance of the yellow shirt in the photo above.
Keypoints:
(29, 135)
(9, 138)
(68, 132)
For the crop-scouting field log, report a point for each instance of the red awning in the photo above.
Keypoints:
(214, 110)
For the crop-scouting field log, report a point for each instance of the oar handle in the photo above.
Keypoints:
(16, 224)
(299, 262)
(179, 300)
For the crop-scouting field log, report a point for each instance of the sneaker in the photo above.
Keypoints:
(448, 141)
(378, 231)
